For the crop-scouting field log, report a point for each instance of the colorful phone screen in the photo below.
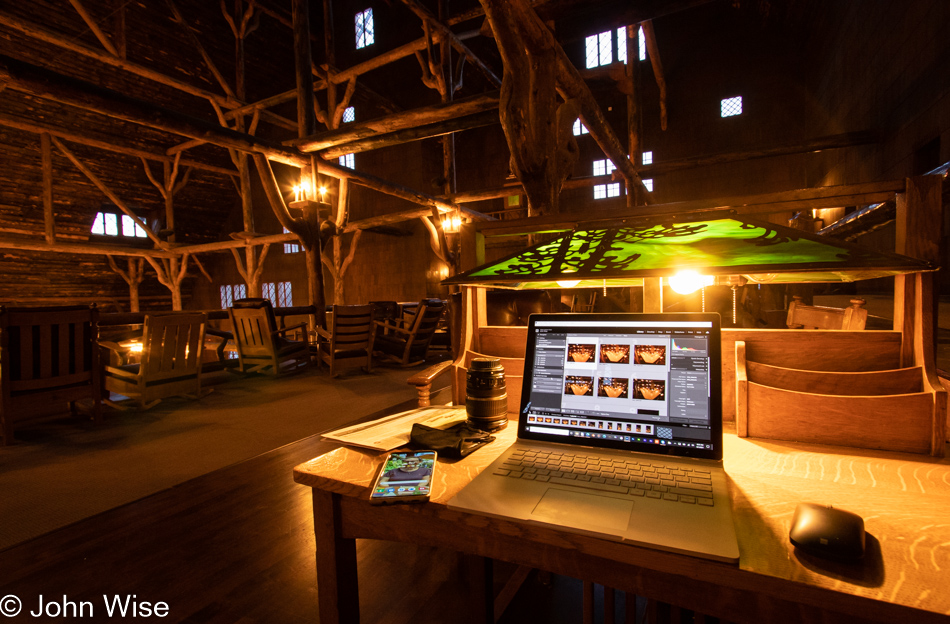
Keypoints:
(405, 474)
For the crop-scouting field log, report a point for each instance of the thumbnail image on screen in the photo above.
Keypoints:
(580, 352)
(650, 354)
(578, 385)
(615, 354)
(649, 389)
(613, 387)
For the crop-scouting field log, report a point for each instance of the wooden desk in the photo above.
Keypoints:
(904, 499)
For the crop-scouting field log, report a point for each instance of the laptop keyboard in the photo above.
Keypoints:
(611, 474)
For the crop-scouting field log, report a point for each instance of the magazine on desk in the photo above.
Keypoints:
(391, 432)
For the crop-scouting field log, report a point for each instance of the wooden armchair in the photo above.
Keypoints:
(801, 316)
(349, 342)
(407, 344)
(170, 361)
(260, 345)
(48, 356)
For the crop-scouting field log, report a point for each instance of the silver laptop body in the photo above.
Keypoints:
(619, 434)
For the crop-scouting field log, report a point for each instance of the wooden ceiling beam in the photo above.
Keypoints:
(26, 244)
(408, 135)
(101, 143)
(355, 131)
(45, 84)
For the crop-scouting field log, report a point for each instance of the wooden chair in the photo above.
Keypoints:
(407, 344)
(260, 344)
(349, 342)
(48, 356)
(801, 316)
(170, 362)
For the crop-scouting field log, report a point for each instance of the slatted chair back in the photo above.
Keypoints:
(350, 339)
(801, 316)
(261, 346)
(47, 356)
(170, 362)
(422, 329)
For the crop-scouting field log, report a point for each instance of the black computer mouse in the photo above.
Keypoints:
(824, 531)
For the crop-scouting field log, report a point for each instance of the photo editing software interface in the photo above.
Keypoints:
(636, 382)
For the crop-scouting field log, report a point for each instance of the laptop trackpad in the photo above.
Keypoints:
(581, 510)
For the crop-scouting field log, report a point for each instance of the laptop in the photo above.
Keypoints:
(619, 434)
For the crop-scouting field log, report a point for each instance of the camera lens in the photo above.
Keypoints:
(486, 401)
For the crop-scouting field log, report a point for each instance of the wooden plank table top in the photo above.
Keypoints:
(904, 499)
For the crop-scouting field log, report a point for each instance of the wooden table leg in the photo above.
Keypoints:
(337, 584)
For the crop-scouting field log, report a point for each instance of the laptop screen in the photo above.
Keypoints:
(642, 382)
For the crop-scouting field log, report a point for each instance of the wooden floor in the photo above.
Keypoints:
(236, 545)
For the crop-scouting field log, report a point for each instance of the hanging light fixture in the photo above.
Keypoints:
(688, 282)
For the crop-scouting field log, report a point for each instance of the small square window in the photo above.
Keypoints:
(364, 29)
(290, 247)
(600, 191)
(349, 114)
(348, 161)
(647, 158)
(514, 200)
(648, 183)
(731, 107)
(613, 190)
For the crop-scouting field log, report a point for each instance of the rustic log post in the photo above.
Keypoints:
(634, 116)
(47, 155)
(653, 52)
(543, 149)
(133, 277)
(171, 275)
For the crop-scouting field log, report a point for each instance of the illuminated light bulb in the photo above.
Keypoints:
(136, 347)
(688, 282)
(323, 192)
(296, 192)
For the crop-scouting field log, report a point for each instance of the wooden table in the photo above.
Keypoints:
(904, 499)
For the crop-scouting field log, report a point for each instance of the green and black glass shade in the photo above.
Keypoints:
(622, 254)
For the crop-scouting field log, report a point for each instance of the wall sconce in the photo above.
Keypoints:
(452, 224)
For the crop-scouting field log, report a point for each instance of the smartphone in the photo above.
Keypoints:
(404, 477)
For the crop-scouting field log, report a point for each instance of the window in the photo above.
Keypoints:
(348, 161)
(599, 49)
(648, 183)
(603, 167)
(280, 294)
(290, 247)
(514, 200)
(364, 29)
(231, 293)
(579, 128)
(646, 158)
(601, 191)
(349, 114)
(107, 224)
(731, 107)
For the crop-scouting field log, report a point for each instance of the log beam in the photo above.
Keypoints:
(26, 244)
(45, 84)
(94, 27)
(399, 121)
(102, 143)
(428, 131)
